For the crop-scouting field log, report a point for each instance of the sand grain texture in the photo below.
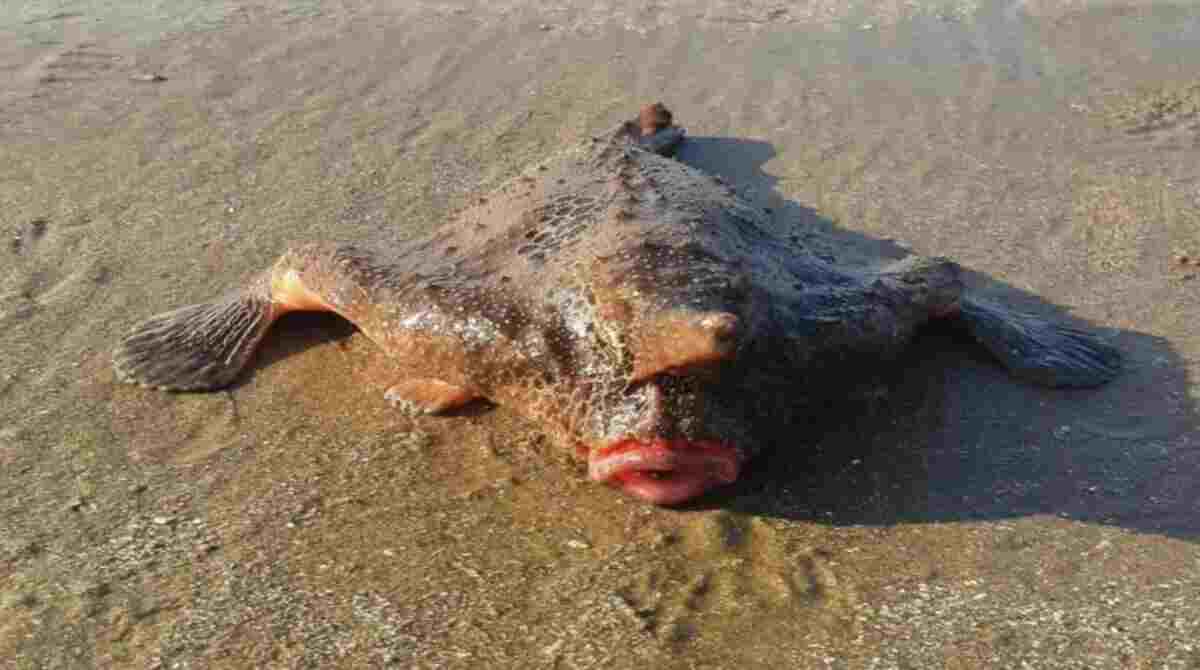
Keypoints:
(948, 517)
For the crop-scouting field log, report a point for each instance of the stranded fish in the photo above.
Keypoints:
(634, 307)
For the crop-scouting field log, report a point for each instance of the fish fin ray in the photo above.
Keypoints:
(1038, 350)
(196, 348)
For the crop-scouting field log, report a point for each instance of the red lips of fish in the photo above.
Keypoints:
(665, 472)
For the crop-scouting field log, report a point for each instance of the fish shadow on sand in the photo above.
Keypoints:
(944, 434)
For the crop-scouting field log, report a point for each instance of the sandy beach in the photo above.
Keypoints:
(956, 518)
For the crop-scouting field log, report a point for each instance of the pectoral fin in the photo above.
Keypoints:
(1041, 351)
(200, 347)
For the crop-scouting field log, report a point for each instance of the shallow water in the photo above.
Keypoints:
(948, 517)
(35, 23)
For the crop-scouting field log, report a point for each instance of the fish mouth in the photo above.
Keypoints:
(665, 472)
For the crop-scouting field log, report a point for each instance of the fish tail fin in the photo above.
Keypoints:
(199, 347)
(1038, 350)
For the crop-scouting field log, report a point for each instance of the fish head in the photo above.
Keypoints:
(657, 380)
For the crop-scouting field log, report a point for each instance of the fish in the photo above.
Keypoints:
(633, 307)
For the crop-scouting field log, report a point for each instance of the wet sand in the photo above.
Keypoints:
(950, 517)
